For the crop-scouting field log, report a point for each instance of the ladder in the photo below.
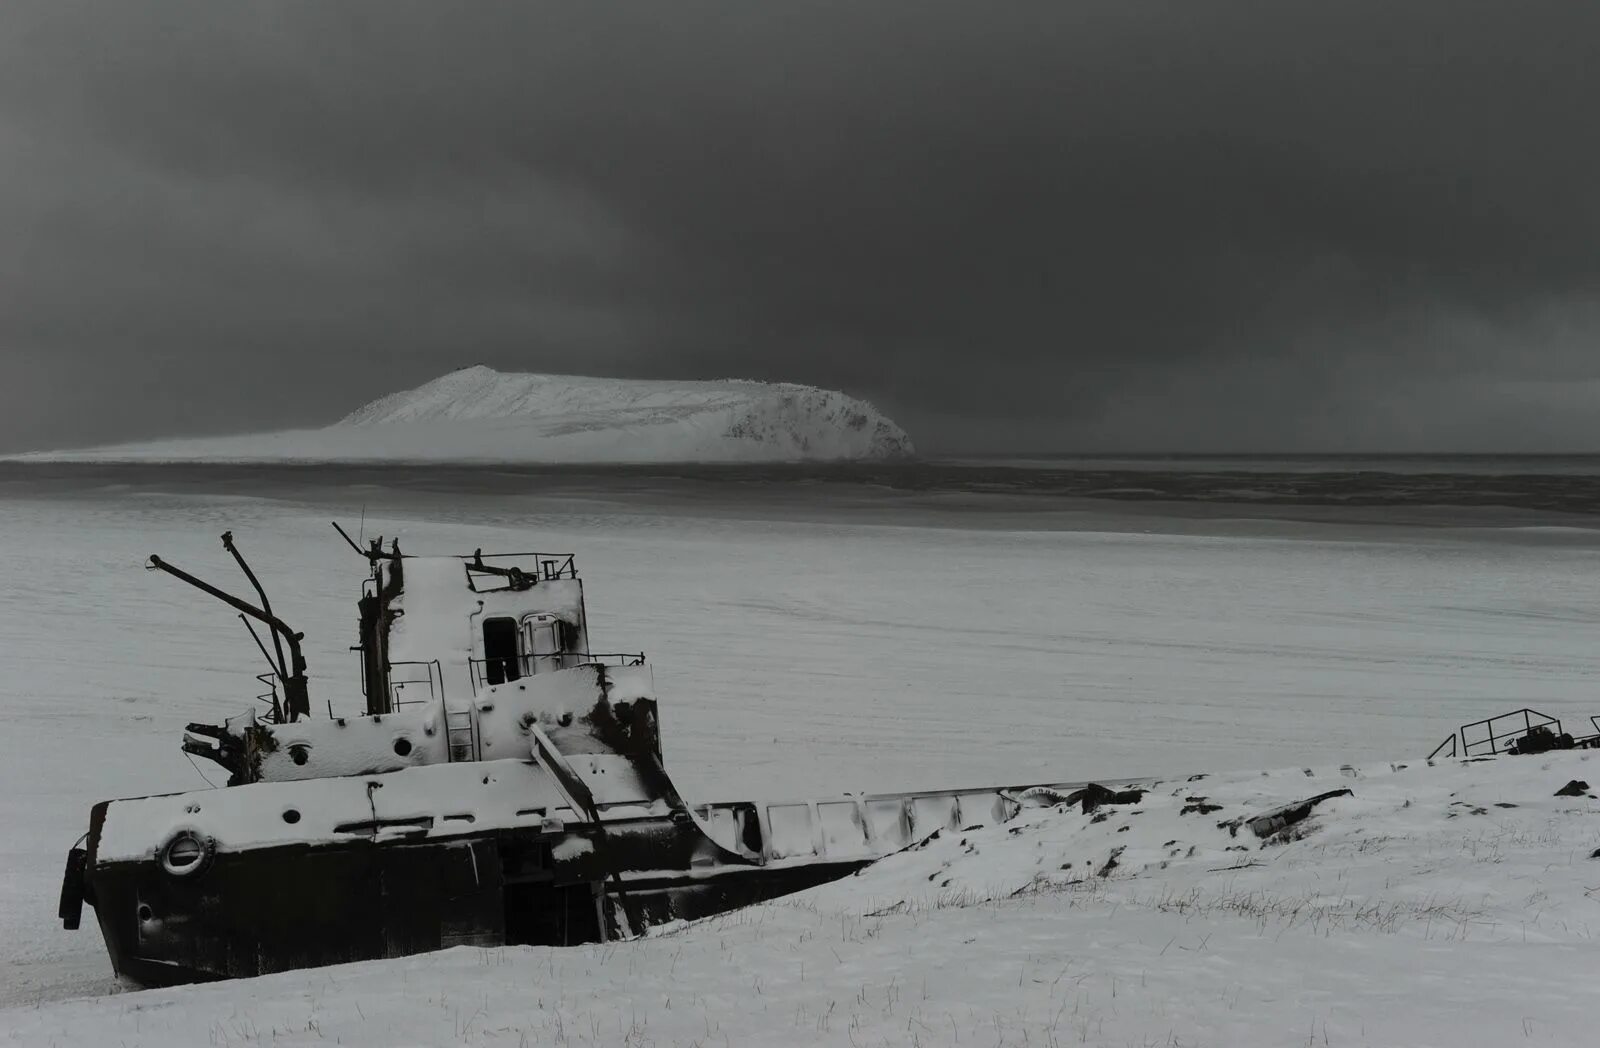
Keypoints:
(458, 730)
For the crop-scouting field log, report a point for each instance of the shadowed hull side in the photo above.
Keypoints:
(251, 913)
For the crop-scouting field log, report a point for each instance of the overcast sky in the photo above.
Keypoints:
(1080, 225)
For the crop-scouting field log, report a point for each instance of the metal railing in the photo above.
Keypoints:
(413, 683)
(496, 571)
(490, 672)
(862, 827)
(1493, 735)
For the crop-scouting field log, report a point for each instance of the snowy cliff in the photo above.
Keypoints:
(478, 414)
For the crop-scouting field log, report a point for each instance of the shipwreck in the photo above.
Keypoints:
(505, 785)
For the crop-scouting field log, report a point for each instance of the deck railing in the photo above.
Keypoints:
(489, 672)
(414, 683)
(500, 571)
(1494, 735)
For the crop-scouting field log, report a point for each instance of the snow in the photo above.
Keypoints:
(1353, 860)
(433, 620)
(356, 745)
(805, 658)
(1433, 906)
(478, 414)
(438, 613)
(441, 800)
(505, 711)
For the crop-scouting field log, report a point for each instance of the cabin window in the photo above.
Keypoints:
(500, 650)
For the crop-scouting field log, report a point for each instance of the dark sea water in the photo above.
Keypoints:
(1468, 490)
(1476, 465)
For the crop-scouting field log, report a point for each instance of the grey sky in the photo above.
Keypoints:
(1095, 225)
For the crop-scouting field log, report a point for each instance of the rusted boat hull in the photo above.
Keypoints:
(302, 906)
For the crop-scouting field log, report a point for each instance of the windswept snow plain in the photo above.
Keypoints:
(478, 414)
(806, 657)
(1432, 906)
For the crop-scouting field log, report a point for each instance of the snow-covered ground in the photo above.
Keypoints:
(1430, 906)
(477, 414)
(807, 658)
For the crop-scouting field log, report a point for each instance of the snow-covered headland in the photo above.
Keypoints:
(478, 414)
(1451, 905)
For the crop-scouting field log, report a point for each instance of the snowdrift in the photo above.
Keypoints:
(1442, 845)
(478, 414)
(1428, 905)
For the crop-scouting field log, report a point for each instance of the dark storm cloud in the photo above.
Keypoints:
(1124, 225)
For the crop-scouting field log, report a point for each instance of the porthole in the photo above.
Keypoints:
(291, 815)
(402, 747)
(299, 754)
(186, 853)
(144, 911)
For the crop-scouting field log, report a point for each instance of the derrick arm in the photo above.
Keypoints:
(266, 605)
(296, 698)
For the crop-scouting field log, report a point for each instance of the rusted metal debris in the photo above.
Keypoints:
(1275, 821)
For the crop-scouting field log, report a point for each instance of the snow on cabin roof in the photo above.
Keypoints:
(434, 608)
(442, 602)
